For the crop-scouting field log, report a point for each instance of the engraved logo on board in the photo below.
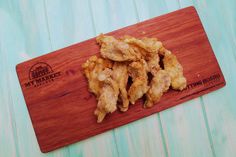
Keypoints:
(41, 73)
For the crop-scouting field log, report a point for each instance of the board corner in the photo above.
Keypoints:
(192, 8)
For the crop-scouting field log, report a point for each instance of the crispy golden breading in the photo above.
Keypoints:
(131, 57)
(153, 64)
(108, 95)
(92, 67)
(175, 70)
(160, 83)
(120, 74)
(138, 72)
(151, 45)
(148, 48)
(115, 49)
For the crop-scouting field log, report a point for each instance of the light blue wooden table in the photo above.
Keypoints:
(203, 127)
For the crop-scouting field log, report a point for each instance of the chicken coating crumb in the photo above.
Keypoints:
(92, 67)
(108, 95)
(115, 49)
(175, 70)
(120, 74)
(160, 83)
(137, 71)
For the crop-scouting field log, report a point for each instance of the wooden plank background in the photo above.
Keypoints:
(203, 127)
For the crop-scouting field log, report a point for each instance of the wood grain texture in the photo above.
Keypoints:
(68, 94)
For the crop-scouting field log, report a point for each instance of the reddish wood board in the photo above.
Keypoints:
(56, 92)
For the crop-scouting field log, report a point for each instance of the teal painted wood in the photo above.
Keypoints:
(7, 135)
(24, 35)
(202, 127)
(7, 143)
(69, 22)
(219, 22)
(150, 9)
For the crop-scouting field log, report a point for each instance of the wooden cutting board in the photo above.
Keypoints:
(56, 91)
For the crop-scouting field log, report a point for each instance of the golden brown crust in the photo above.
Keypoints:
(108, 95)
(138, 72)
(121, 76)
(175, 70)
(115, 49)
(92, 67)
(160, 83)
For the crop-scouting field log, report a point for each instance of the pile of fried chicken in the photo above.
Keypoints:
(135, 58)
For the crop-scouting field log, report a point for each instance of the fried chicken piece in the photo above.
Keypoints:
(153, 64)
(151, 45)
(92, 67)
(175, 70)
(115, 49)
(160, 83)
(138, 72)
(148, 48)
(120, 74)
(108, 95)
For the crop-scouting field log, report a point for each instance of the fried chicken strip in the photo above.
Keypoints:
(151, 45)
(138, 72)
(108, 95)
(175, 70)
(153, 64)
(92, 67)
(120, 74)
(115, 49)
(160, 83)
(148, 48)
